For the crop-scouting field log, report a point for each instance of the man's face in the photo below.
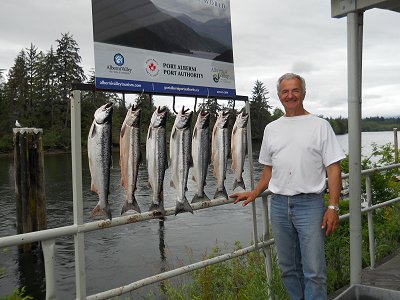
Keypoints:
(291, 95)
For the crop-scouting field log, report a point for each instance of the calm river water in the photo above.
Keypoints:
(120, 255)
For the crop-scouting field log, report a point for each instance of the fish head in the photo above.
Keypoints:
(222, 119)
(184, 118)
(133, 116)
(159, 118)
(104, 113)
(242, 119)
(203, 119)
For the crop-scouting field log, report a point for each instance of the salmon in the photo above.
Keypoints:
(201, 154)
(99, 154)
(220, 152)
(239, 148)
(130, 157)
(181, 158)
(156, 157)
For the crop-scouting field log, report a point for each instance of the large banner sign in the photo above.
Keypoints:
(164, 46)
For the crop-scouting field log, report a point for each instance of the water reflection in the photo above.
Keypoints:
(163, 257)
(31, 272)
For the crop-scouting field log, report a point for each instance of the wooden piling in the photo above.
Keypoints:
(29, 181)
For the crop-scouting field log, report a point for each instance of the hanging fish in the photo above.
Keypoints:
(99, 153)
(130, 157)
(220, 152)
(239, 148)
(180, 157)
(156, 157)
(201, 154)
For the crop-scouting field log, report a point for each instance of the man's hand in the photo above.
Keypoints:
(330, 222)
(246, 197)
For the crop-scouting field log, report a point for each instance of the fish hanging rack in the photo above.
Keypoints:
(92, 87)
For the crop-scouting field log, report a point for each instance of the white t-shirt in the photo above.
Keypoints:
(299, 149)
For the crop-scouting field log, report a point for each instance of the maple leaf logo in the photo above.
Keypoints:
(152, 67)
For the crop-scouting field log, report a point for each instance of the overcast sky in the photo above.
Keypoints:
(269, 38)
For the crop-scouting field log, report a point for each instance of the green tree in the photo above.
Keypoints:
(32, 60)
(68, 70)
(277, 113)
(16, 91)
(47, 85)
(259, 110)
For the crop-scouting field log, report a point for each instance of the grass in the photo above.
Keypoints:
(244, 277)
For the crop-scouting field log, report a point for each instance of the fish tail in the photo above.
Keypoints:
(158, 207)
(130, 206)
(239, 183)
(197, 198)
(107, 211)
(97, 211)
(182, 206)
(219, 194)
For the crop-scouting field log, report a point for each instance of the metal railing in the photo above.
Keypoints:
(79, 228)
(47, 239)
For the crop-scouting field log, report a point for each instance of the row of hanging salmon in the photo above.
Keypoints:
(186, 150)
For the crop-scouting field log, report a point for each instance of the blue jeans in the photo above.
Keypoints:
(296, 226)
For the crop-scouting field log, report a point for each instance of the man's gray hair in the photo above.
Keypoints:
(289, 76)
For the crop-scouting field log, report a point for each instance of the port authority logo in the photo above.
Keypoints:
(152, 68)
(119, 59)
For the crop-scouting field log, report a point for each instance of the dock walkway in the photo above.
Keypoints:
(386, 275)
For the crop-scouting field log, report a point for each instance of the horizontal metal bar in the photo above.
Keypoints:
(176, 272)
(373, 207)
(373, 170)
(35, 236)
(91, 87)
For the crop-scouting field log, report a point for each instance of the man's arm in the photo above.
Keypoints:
(261, 186)
(331, 217)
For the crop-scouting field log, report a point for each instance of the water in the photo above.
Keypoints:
(120, 255)
(367, 138)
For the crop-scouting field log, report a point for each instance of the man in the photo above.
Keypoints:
(298, 151)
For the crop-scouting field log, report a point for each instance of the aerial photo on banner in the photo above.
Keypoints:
(178, 47)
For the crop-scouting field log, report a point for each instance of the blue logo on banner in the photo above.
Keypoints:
(119, 59)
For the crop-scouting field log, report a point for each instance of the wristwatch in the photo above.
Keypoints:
(334, 207)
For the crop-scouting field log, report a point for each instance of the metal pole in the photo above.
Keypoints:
(371, 236)
(267, 250)
(80, 273)
(48, 248)
(354, 40)
(396, 146)
(250, 157)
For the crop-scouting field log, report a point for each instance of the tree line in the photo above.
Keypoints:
(36, 92)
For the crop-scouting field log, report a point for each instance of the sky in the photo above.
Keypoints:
(270, 38)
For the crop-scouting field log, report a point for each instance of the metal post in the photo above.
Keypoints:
(250, 157)
(48, 248)
(371, 236)
(80, 273)
(267, 250)
(354, 48)
(396, 146)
